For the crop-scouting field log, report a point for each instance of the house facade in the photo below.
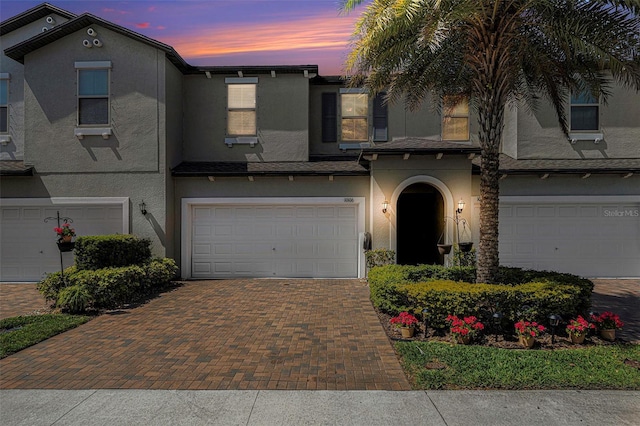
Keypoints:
(276, 171)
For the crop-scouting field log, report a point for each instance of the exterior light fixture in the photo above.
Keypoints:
(385, 206)
(497, 321)
(143, 208)
(554, 320)
(460, 206)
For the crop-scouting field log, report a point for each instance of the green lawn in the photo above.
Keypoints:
(17, 333)
(479, 367)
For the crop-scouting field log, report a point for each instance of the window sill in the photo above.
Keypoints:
(596, 137)
(5, 140)
(81, 132)
(241, 140)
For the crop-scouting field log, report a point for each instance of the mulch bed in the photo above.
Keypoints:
(505, 341)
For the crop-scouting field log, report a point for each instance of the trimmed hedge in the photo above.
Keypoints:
(106, 288)
(103, 251)
(444, 291)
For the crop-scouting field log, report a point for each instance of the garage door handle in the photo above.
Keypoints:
(274, 249)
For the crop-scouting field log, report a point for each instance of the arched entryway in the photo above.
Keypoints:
(420, 213)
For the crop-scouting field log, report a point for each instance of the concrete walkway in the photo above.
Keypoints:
(452, 408)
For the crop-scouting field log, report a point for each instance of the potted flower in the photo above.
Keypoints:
(527, 332)
(406, 323)
(464, 329)
(577, 329)
(65, 233)
(607, 323)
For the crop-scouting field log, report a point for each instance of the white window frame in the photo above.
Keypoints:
(103, 128)
(450, 112)
(358, 92)
(233, 138)
(596, 103)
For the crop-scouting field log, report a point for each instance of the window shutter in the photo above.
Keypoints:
(380, 118)
(329, 117)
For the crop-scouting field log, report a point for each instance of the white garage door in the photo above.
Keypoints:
(319, 241)
(591, 239)
(28, 243)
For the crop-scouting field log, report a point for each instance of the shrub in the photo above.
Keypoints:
(50, 286)
(108, 288)
(383, 281)
(380, 257)
(462, 258)
(102, 251)
(75, 299)
(443, 291)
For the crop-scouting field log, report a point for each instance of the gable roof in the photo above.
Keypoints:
(31, 15)
(19, 51)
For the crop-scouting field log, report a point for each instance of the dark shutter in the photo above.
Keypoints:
(380, 118)
(329, 117)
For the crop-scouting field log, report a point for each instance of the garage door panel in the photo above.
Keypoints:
(279, 240)
(587, 239)
(28, 243)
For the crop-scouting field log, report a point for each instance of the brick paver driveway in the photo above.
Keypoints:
(231, 334)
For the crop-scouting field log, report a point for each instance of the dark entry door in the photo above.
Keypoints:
(420, 217)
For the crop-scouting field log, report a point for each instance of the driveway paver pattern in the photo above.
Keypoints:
(20, 299)
(227, 334)
(621, 296)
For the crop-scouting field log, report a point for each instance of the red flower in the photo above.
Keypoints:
(405, 319)
(467, 326)
(530, 328)
(607, 321)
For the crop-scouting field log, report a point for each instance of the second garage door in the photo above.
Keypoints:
(274, 240)
(588, 237)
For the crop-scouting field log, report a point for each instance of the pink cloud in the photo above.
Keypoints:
(142, 25)
(161, 27)
(151, 8)
(320, 32)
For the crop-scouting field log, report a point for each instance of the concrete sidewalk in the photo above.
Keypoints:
(160, 407)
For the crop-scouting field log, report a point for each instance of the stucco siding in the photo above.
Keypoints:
(14, 150)
(539, 134)
(453, 174)
(282, 105)
(136, 82)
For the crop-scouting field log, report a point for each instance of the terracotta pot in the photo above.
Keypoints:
(463, 340)
(527, 341)
(608, 334)
(577, 340)
(66, 238)
(407, 332)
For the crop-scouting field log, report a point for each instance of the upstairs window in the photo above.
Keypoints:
(4, 105)
(355, 113)
(585, 112)
(93, 93)
(455, 119)
(241, 109)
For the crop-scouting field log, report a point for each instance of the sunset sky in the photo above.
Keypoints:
(229, 32)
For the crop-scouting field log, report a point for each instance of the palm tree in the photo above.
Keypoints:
(495, 52)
